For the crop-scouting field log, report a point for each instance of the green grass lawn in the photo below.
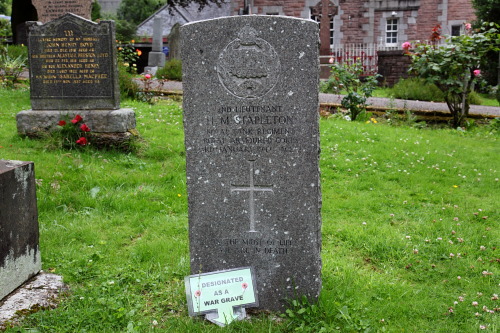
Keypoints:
(410, 230)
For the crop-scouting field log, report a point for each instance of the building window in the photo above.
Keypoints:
(456, 30)
(314, 17)
(332, 31)
(391, 32)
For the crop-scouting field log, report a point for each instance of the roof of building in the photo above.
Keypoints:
(182, 16)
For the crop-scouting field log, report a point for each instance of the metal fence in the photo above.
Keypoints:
(366, 54)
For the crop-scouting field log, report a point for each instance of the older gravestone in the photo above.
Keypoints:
(19, 252)
(173, 42)
(156, 57)
(73, 70)
(252, 151)
(49, 10)
(73, 65)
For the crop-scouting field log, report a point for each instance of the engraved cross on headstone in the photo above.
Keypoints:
(251, 189)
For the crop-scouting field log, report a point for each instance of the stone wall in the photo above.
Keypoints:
(393, 65)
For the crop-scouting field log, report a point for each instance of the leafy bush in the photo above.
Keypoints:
(417, 89)
(15, 51)
(348, 77)
(171, 71)
(474, 98)
(128, 88)
(13, 60)
(128, 55)
(454, 66)
(5, 30)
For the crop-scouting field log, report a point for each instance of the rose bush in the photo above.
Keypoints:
(349, 78)
(73, 133)
(454, 66)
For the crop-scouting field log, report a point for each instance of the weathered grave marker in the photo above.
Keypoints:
(73, 70)
(49, 10)
(19, 252)
(156, 57)
(252, 150)
(72, 65)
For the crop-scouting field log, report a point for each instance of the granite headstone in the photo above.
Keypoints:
(72, 65)
(252, 151)
(173, 42)
(19, 251)
(49, 10)
(73, 70)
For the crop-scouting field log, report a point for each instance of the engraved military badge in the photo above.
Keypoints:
(248, 67)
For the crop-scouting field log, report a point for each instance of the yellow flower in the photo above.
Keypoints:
(367, 121)
(455, 186)
(373, 120)
(132, 41)
(179, 195)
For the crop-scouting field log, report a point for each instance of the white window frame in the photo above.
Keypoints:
(332, 32)
(391, 31)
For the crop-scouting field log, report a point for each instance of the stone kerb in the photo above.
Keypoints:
(252, 151)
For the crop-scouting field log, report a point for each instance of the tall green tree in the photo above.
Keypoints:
(489, 11)
(95, 14)
(5, 7)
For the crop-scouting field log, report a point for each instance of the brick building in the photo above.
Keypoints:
(386, 23)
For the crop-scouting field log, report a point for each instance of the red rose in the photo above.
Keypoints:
(85, 128)
(61, 123)
(82, 141)
(77, 119)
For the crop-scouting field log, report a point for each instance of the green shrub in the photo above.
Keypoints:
(5, 30)
(497, 93)
(128, 88)
(171, 71)
(417, 89)
(13, 60)
(16, 51)
(348, 77)
(474, 98)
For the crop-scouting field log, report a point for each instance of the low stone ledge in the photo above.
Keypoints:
(32, 122)
(41, 292)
